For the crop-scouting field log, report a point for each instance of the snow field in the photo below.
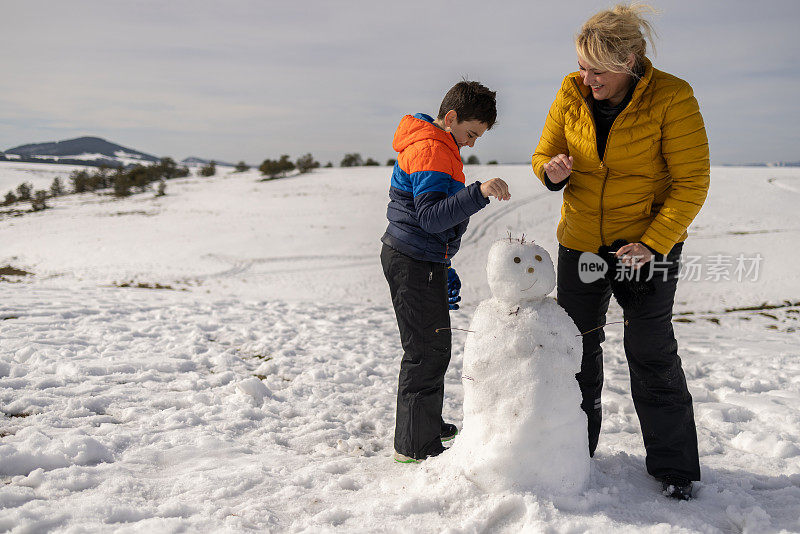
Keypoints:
(261, 398)
(151, 405)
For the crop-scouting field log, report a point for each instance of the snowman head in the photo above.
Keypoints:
(519, 271)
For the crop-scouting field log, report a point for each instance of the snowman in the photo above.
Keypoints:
(523, 426)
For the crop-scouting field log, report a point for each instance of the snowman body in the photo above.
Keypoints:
(523, 426)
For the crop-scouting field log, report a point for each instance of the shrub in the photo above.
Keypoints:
(80, 181)
(242, 167)
(269, 168)
(9, 199)
(492, 162)
(122, 184)
(473, 160)
(209, 170)
(24, 191)
(166, 168)
(99, 179)
(112, 180)
(275, 168)
(352, 160)
(328, 165)
(56, 189)
(140, 176)
(390, 162)
(371, 163)
(306, 163)
(182, 172)
(38, 201)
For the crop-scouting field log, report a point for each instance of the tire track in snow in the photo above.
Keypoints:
(482, 227)
(323, 262)
(773, 181)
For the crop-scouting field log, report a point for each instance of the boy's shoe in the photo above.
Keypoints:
(403, 459)
(449, 431)
(676, 487)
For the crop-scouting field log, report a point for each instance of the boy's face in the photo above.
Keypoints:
(466, 132)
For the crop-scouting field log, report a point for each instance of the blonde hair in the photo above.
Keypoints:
(607, 40)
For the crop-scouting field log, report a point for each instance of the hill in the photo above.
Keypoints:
(81, 150)
(193, 161)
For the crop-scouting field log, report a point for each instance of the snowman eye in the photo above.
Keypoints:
(530, 269)
(538, 258)
(517, 260)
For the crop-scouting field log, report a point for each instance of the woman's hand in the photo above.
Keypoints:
(634, 254)
(559, 168)
(496, 188)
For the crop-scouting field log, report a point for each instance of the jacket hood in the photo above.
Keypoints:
(419, 127)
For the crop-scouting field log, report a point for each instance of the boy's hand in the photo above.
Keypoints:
(559, 168)
(496, 188)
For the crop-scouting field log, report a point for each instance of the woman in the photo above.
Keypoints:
(627, 144)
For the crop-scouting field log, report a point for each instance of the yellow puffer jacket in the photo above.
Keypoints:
(654, 176)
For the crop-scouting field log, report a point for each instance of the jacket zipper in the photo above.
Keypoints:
(602, 193)
(603, 155)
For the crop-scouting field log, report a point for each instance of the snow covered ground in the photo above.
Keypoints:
(257, 392)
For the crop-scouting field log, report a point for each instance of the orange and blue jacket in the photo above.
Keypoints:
(429, 205)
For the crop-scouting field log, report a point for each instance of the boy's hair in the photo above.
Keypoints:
(471, 101)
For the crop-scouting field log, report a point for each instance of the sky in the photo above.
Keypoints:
(249, 80)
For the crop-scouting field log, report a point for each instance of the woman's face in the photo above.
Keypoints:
(605, 85)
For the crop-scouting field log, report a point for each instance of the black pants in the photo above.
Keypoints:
(419, 296)
(658, 385)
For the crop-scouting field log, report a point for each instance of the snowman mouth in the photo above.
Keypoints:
(533, 284)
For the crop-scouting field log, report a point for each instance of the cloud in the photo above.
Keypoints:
(248, 80)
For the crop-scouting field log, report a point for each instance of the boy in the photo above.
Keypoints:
(428, 212)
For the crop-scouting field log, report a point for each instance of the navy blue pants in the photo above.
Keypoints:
(658, 385)
(419, 297)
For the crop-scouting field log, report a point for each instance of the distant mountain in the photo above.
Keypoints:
(762, 164)
(196, 162)
(81, 151)
(784, 164)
